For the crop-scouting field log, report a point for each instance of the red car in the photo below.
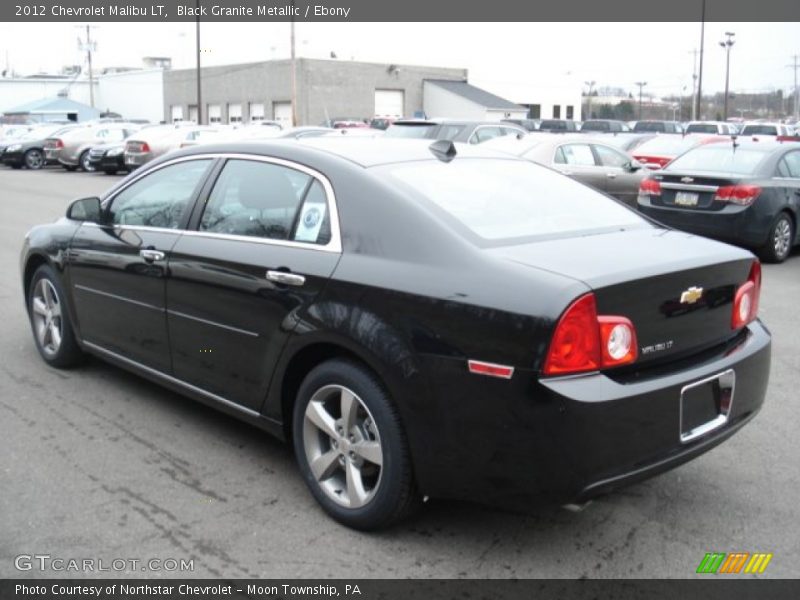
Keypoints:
(659, 151)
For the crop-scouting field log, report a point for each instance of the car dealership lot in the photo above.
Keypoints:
(98, 463)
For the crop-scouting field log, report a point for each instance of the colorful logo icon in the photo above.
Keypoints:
(734, 563)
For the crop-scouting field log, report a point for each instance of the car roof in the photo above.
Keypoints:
(365, 152)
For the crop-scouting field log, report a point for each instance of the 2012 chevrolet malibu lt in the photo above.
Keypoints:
(419, 320)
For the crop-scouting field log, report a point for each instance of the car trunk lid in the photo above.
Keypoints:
(676, 288)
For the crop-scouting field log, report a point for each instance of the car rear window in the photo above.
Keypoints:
(720, 158)
(499, 202)
(760, 130)
(409, 131)
(701, 128)
(652, 126)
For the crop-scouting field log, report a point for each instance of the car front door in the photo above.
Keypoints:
(620, 181)
(264, 240)
(118, 268)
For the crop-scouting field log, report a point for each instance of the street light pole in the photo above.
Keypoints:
(641, 84)
(727, 46)
(294, 71)
(199, 87)
(699, 99)
(589, 99)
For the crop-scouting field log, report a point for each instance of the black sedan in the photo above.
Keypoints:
(419, 321)
(109, 158)
(745, 192)
(28, 150)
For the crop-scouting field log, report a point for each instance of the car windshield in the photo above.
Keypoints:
(760, 130)
(409, 130)
(553, 124)
(649, 126)
(720, 158)
(496, 202)
(596, 126)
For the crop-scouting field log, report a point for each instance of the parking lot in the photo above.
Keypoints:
(99, 463)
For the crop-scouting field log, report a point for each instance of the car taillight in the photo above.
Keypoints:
(144, 147)
(745, 302)
(743, 195)
(58, 144)
(649, 187)
(584, 341)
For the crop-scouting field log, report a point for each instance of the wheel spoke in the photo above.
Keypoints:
(55, 310)
(39, 306)
(369, 451)
(349, 410)
(325, 465)
(55, 335)
(321, 418)
(356, 493)
(47, 293)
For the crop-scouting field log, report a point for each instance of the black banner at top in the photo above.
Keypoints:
(393, 10)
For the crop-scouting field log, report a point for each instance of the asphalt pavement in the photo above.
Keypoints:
(97, 463)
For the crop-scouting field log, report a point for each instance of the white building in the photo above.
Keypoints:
(134, 94)
(546, 97)
(460, 100)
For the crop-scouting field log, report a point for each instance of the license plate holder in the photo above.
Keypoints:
(686, 198)
(705, 405)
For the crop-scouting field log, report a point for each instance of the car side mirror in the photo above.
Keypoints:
(633, 166)
(85, 209)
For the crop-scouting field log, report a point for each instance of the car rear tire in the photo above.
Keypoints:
(780, 240)
(34, 159)
(83, 161)
(351, 447)
(50, 322)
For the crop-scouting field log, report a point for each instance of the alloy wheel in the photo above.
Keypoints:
(34, 159)
(87, 166)
(47, 321)
(342, 446)
(782, 238)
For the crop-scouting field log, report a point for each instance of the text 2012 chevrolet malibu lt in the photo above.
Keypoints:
(417, 320)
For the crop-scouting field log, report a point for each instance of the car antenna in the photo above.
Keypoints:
(444, 150)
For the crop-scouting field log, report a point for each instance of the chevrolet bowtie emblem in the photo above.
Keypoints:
(692, 295)
(687, 179)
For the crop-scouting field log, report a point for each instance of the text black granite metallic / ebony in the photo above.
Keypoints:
(437, 321)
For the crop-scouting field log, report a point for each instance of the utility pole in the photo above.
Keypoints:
(199, 85)
(589, 99)
(726, 45)
(88, 47)
(294, 71)
(699, 99)
(795, 66)
(694, 84)
(641, 84)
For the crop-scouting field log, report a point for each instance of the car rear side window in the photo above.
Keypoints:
(160, 198)
(265, 200)
(575, 154)
(792, 161)
(498, 202)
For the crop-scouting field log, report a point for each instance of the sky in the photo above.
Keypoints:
(611, 54)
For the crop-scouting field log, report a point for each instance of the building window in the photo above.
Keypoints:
(570, 112)
(214, 113)
(535, 111)
(234, 113)
(256, 111)
(556, 111)
(176, 114)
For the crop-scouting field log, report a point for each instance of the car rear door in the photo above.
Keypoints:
(118, 269)
(264, 241)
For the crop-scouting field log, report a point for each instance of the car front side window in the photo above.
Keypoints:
(160, 198)
(610, 157)
(575, 154)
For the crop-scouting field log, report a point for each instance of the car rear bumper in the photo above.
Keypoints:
(523, 442)
(735, 224)
(134, 160)
(108, 163)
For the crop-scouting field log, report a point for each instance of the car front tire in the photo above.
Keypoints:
(34, 159)
(351, 447)
(50, 322)
(780, 240)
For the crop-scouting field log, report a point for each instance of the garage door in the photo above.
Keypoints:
(177, 114)
(214, 113)
(389, 103)
(234, 113)
(256, 111)
(283, 113)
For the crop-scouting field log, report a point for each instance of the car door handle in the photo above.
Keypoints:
(151, 255)
(611, 175)
(285, 278)
(567, 173)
